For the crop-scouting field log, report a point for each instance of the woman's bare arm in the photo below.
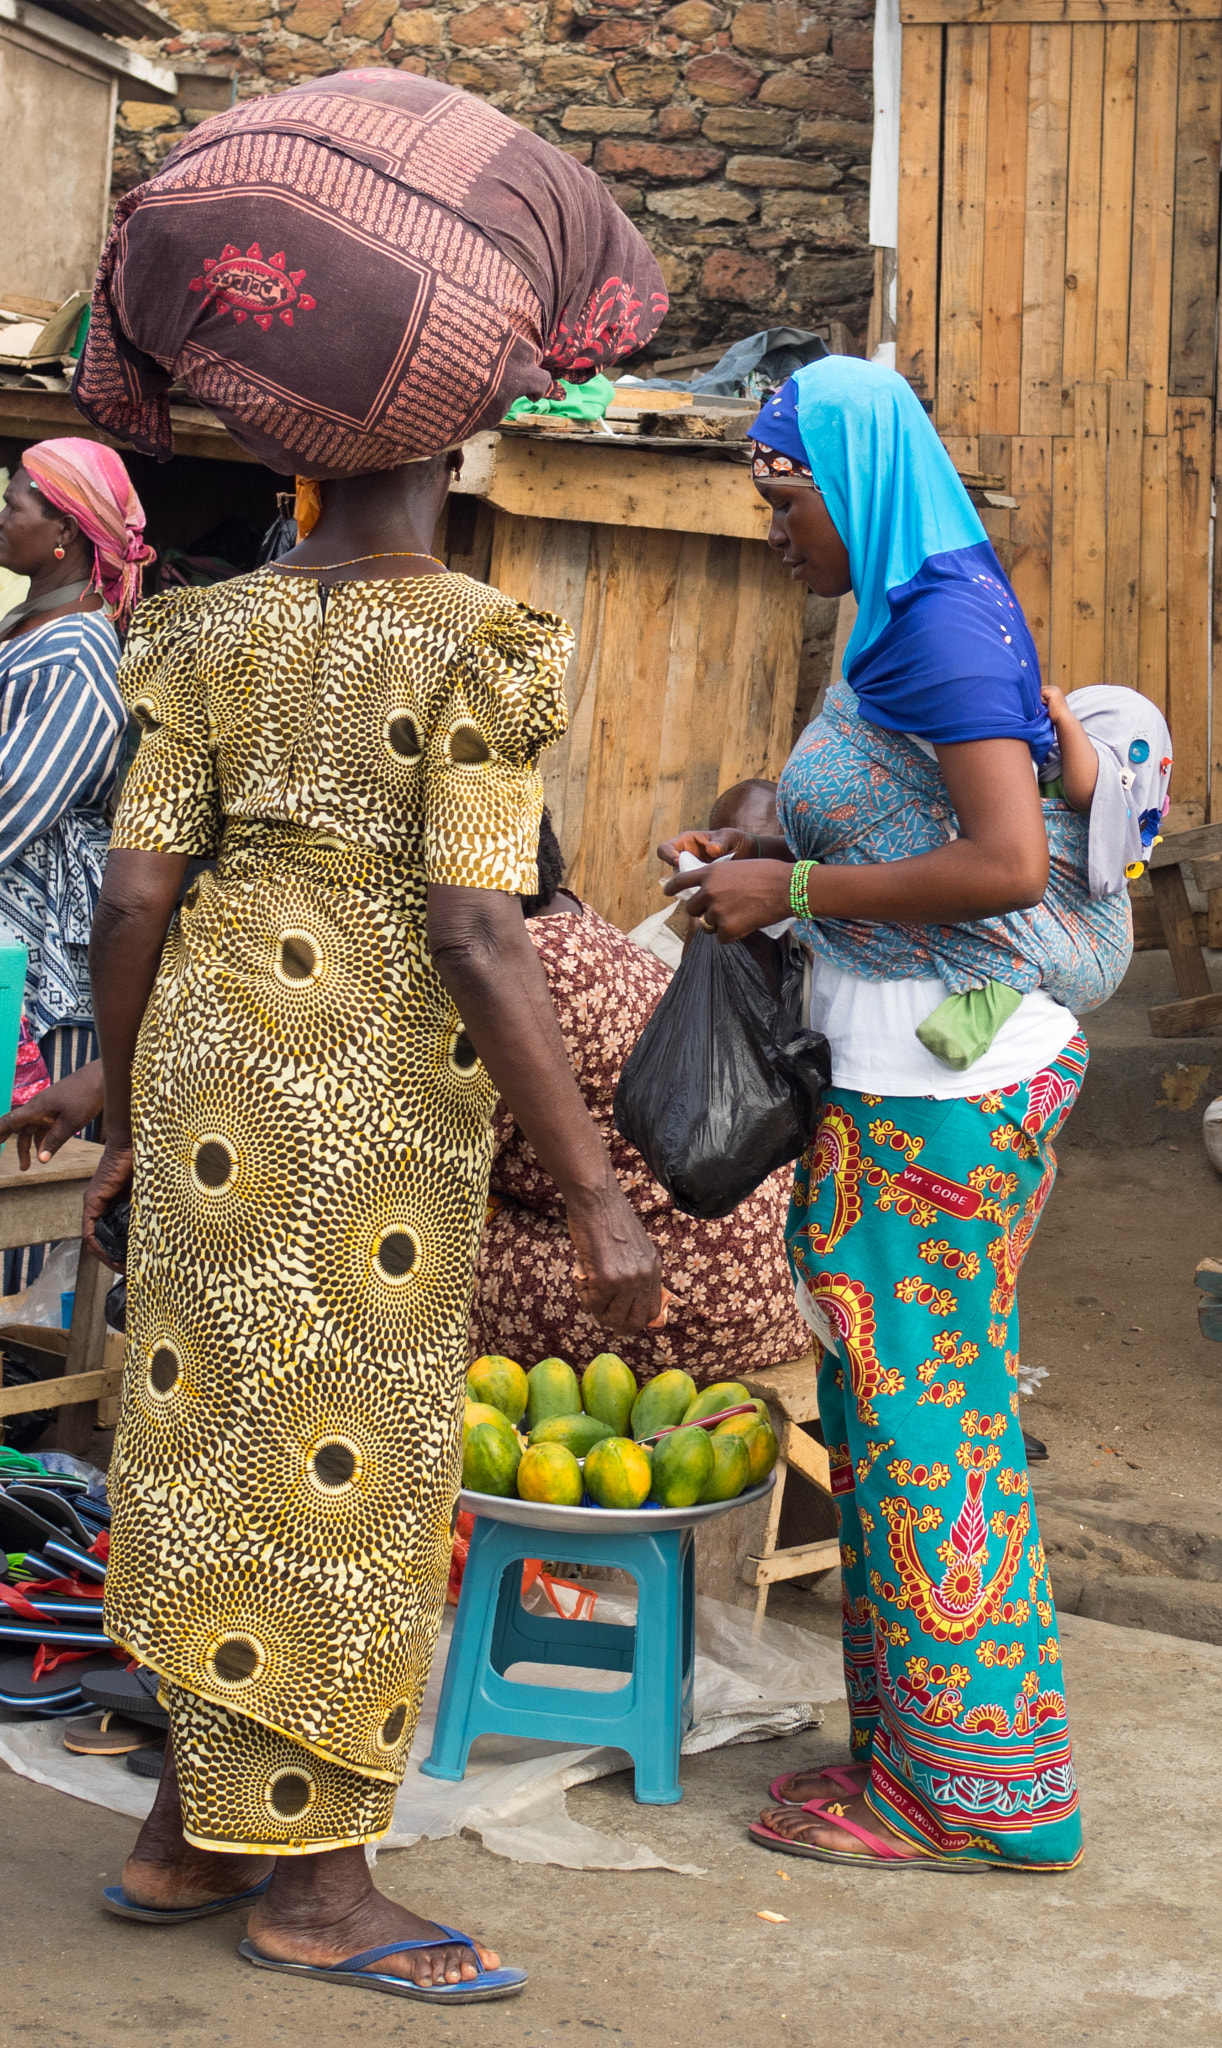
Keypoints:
(998, 863)
(49, 1118)
(139, 892)
(484, 956)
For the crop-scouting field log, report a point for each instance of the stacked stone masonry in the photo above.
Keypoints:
(737, 139)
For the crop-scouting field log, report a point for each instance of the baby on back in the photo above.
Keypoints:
(1112, 761)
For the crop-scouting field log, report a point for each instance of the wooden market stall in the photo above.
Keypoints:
(1057, 303)
(688, 628)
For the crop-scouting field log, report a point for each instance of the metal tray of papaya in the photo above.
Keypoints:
(541, 1515)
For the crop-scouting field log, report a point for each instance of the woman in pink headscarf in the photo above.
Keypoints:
(72, 523)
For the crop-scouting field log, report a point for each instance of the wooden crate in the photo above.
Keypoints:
(1058, 286)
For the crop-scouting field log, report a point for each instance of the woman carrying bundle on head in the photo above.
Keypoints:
(301, 1077)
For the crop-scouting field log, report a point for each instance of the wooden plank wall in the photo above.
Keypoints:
(1058, 294)
(682, 683)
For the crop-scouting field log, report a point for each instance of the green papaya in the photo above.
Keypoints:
(578, 1433)
(726, 1394)
(731, 1468)
(551, 1389)
(760, 1439)
(608, 1390)
(490, 1460)
(683, 1465)
(662, 1402)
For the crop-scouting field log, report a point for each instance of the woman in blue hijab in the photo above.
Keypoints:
(918, 862)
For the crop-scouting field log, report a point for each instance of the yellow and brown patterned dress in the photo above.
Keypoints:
(312, 1135)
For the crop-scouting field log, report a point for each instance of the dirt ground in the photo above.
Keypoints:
(1107, 1304)
(1121, 1953)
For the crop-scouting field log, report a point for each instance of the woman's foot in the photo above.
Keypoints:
(814, 1831)
(164, 1870)
(323, 1909)
(834, 1781)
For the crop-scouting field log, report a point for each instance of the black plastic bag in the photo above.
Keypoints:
(723, 1085)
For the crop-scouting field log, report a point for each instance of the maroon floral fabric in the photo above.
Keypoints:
(366, 269)
(735, 1306)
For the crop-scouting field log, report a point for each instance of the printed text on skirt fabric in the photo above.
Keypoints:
(910, 1221)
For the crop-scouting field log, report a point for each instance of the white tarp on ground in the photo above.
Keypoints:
(748, 1688)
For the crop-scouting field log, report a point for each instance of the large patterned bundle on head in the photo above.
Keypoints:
(362, 270)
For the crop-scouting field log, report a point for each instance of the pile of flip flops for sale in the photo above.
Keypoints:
(55, 1659)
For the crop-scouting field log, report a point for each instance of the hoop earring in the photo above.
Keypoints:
(60, 553)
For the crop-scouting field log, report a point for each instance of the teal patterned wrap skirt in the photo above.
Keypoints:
(909, 1225)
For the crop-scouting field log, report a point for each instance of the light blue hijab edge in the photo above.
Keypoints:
(891, 489)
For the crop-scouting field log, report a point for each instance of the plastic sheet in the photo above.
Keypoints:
(748, 1688)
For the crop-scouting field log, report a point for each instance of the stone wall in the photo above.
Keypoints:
(738, 139)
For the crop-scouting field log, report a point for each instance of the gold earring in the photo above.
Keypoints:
(59, 554)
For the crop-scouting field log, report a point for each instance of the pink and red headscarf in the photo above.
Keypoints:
(89, 483)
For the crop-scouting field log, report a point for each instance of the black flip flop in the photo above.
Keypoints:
(146, 1763)
(52, 1506)
(116, 1901)
(128, 1692)
(56, 1692)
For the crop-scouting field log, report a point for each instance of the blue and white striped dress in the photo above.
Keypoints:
(63, 727)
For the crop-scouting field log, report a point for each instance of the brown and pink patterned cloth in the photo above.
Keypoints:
(366, 269)
(735, 1307)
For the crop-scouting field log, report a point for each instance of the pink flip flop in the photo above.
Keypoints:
(884, 1853)
(850, 1778)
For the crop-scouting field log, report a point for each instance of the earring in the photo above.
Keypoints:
(60, 553)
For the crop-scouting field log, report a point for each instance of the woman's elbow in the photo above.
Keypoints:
(1022, 882)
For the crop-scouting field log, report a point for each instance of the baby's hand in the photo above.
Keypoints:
(1054, 702)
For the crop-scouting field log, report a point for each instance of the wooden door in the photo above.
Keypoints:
(1058, 289)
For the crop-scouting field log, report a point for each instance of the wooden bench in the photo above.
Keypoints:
(1199, 1009)
(41, 1205)
(792, 1394)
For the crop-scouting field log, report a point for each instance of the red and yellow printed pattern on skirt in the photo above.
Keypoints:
(909, 1225)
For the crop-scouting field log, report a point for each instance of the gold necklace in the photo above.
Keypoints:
(388, 554)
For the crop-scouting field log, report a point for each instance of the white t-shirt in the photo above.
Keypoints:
(871, 1029)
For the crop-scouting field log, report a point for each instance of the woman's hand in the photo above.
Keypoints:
(619, 1273)
(52, 1116)
(715, 844)
(112, 1179)
(735, 900)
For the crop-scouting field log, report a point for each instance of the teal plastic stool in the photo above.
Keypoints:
(492, 1630)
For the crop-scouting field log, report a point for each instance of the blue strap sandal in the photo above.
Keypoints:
(116, 1900)
(468, 1991)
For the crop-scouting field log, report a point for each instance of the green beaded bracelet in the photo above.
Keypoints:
(798, 883)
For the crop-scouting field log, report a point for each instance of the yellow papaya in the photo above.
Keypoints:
(550, 1473)
(475, 1412)
(618, 1473)
(500, 1383)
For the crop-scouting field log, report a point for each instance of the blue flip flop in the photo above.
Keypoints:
(488, 1984)
(116, 1901)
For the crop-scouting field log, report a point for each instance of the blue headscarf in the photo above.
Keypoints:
(940, 648)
